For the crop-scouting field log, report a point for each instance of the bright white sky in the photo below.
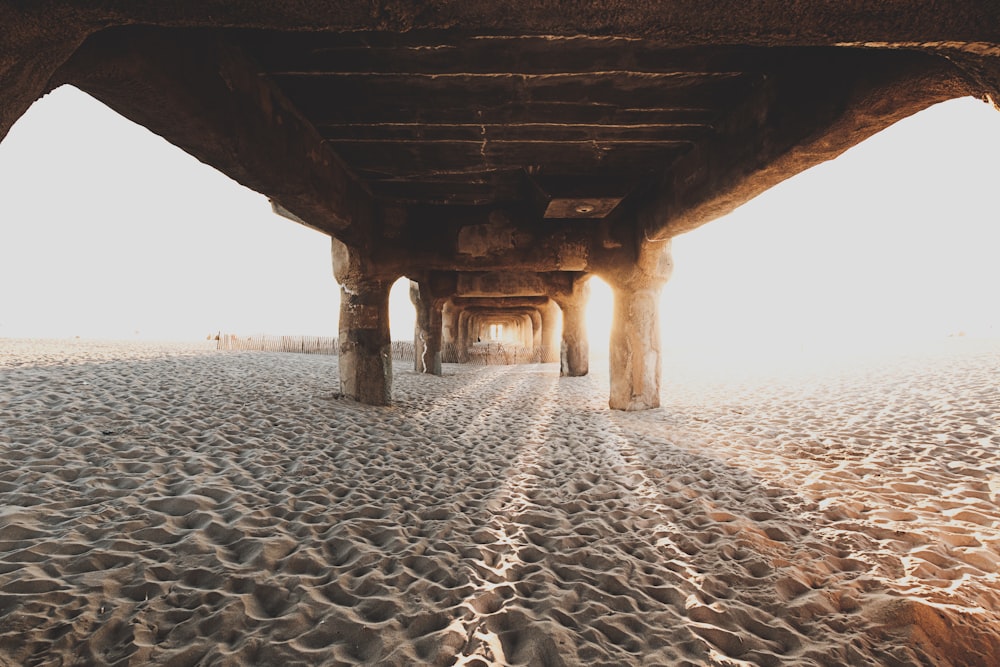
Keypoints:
(109, 231)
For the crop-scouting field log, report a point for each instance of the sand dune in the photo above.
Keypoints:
(174, 505)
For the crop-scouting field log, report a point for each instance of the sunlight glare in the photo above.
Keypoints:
(112, 232)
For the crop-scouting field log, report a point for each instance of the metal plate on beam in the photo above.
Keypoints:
(581, 208)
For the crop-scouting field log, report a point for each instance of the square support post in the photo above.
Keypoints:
(550, 332)
(574, 355)
(427, 329)
(464, 333)
(365, 343)
(449, 333)
(635, 349)
(635, 359)
(365, 351)
(536, 335)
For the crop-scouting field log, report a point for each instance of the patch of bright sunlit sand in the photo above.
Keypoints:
(789, 358)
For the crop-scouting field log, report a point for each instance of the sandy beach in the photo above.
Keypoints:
(175, 505)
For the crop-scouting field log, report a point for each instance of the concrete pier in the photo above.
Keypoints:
(570, 143)
(635, 359)
(365, 343)
(428, 329)
(574, 355)
(551, 331)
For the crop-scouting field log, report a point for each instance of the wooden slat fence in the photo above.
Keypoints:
(303, 344)
(481, 354)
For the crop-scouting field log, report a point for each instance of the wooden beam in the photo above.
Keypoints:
(514, 132)
(435, 53)
(406, 97)
(204, 96)
(546, 157)
(473, 193)
(507, 283)
(680, 22)
(509, 186)
(500, 301)
(517, 112)
(809, 113)
(31, 51)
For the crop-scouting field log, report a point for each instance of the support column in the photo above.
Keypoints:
(365, 352)
(462, 351)
(536, 335)
(574, 354)
(521, 332)
(449, 333)
(365, 345)
(635, 331)
(427, 332)
(550, 332)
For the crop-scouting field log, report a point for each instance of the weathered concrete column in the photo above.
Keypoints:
(365, 345)
(365, 351)
(522, 333)
(635, 330)
(428, 327)
(574, 354)
(470, 330)
(550, 332)
(536, 334)
(462, 341)
(449, 333)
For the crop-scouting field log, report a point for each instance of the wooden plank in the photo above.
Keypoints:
(434, 52)
(537, 157)
(494, 132)
(501, 99)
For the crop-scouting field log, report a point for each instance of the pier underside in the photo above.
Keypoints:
(501, 155)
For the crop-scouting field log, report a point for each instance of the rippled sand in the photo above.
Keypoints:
(174, 505)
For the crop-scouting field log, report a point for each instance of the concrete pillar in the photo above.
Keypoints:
(550, 332)
(635, 332)
(536, 335)
(574, 354)
(473, 330)
(527, 334)
(462, 343)
(428, 327)
(432, 359)
(365, 346)
(449, 332)
(635, 349)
